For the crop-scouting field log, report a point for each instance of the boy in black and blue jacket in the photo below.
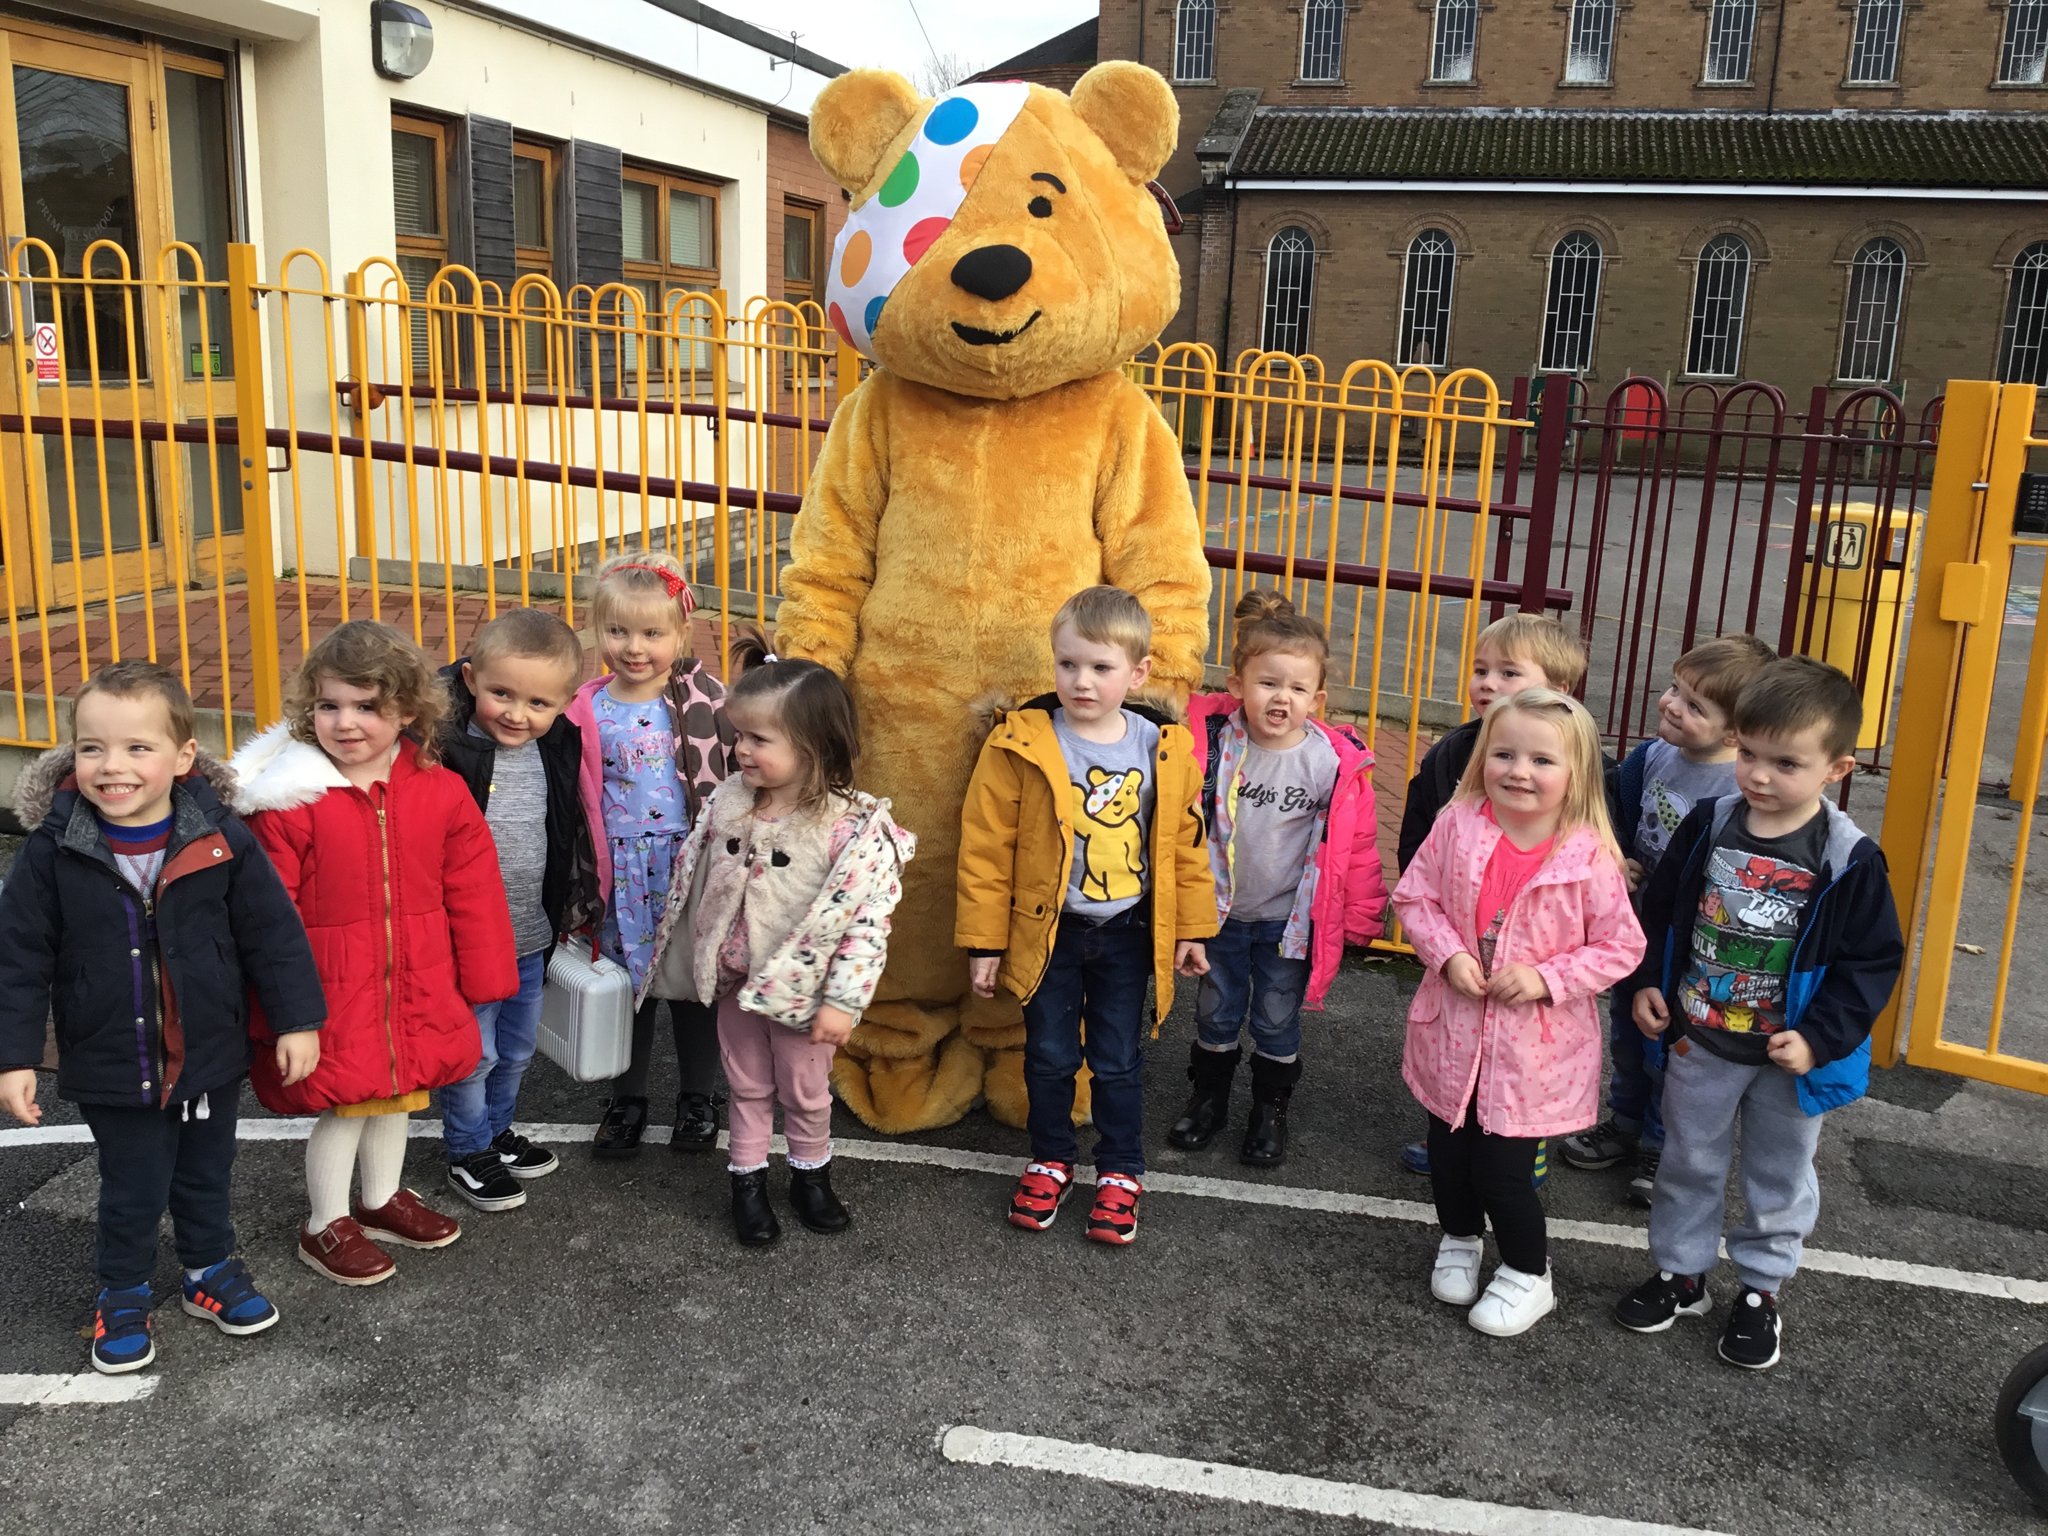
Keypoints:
(1773, 945)
(143, 916)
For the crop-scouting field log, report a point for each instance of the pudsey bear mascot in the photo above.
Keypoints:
(1002, 260)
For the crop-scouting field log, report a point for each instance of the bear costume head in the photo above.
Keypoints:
(1003, 239)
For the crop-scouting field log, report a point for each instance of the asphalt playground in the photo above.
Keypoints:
(1266, 1356)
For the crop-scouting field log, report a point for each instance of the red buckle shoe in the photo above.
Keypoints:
(1040, 1193)
(344, 1255)
(1114, 1216)
(407, 1220)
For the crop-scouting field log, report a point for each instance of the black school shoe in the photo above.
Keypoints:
(1661, 1300)
(618, 1133)
(696, 1123)
(1751, 1338)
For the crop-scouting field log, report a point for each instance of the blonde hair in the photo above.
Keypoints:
(1108, 616)
(1718, 670)
(1585, 796)
(365, 654)
(1539, 638)
(530, 635)
(1267, 621)
(640, 582)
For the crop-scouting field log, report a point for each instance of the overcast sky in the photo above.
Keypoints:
(886, 32)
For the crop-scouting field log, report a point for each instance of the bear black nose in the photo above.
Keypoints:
(992, 272)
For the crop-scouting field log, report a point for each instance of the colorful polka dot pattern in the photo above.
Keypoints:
(888, 234)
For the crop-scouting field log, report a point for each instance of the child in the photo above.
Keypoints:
(1773, 946)
(507, 738)
(138, 914)
(1519, 912)
(1690, 759)
(1076, 925)
(780, 911)
(1522, 650)
(1293, 851)
(393, 870)
(655, 743)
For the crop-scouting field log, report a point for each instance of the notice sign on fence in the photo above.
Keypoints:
(45, 351)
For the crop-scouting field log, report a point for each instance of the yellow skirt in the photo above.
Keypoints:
(404, 1104)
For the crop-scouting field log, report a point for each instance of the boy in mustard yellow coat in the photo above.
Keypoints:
(1084, 873)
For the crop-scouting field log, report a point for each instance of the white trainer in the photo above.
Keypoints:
(1514, 1303)
(1455, 1280)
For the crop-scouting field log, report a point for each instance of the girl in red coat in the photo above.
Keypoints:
(396, 877)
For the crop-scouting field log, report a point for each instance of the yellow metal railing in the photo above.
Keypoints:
(1934, 821)
(211, 468)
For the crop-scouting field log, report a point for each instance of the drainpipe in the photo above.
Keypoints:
(1777, 53)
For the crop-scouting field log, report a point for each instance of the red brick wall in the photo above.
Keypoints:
(793, 176)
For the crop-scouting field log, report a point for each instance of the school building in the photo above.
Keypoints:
(1839, 192)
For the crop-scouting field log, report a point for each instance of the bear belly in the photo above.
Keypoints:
(933, 646)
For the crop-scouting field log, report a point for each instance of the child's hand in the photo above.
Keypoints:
(1789, 1050)
(830, 1026)
(1463, 975)
(981, 974)
(1650, 1012)
(1634, 871)
(1190, 958)
(298, 1053)
(18, 1096)
(1518, 984)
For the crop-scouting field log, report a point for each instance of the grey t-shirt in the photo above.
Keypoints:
(517, 814)
(1114, 789)
(1281, 797)
(1672, 786)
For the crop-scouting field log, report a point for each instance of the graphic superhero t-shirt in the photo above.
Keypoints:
(1751, 909)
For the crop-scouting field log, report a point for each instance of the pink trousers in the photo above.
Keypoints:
(765, 1061)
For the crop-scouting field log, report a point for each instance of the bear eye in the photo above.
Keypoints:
(1041, 207)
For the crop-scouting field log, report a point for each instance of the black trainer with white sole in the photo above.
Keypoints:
(522, 1158)
(485, 1182)
(1661, 1300)
(1751, 1338)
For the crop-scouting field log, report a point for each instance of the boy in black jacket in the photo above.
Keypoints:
(140, 913)
(507, 737)
(1773, 945)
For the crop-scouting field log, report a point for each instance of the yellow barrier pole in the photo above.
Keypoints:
(721, 472)
(362, 481)
(245, 331)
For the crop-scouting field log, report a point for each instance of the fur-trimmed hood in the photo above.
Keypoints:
(276, 772)
(37, 788)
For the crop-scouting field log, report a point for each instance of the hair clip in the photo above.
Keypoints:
(770, 656)
(678, 588)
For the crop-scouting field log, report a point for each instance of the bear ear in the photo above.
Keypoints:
(1132, 110)
(856, 118)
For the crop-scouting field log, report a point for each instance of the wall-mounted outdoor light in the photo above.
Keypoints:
(401, 39)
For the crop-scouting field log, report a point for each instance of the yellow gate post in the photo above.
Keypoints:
(252, 452)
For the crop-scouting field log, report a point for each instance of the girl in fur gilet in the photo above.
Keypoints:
(778, 911)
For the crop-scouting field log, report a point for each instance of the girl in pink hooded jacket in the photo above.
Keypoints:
(1519, 912)
(1293, 849)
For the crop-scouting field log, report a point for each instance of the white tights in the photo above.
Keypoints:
(337, 1146)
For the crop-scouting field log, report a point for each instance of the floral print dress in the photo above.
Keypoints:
(645, 821)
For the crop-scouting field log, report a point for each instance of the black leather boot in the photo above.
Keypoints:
(812, 1199)
(696, 1123)
(753, 1218)
(1265, 1139)
(1209, 1104)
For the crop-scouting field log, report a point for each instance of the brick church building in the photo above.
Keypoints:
(1840, 192)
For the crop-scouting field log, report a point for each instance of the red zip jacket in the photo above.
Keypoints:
(401, 897)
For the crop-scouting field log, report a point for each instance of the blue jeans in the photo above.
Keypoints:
(475, 1110)
(1249, 975)
(1096, 977)
(1635, 1096)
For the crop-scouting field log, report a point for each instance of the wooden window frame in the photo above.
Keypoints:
(540, 258)
(435, 246)
(815, 216)
(662, 273)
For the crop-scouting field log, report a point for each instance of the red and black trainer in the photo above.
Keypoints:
(1040, 1193)
(1114, 1217)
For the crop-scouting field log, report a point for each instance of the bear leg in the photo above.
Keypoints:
(907, 1068)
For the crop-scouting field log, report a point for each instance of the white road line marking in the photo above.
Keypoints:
(88, 1387)
(967, 1445)
(1334, 1202)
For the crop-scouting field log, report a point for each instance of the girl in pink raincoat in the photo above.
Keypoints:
(1519, 912)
